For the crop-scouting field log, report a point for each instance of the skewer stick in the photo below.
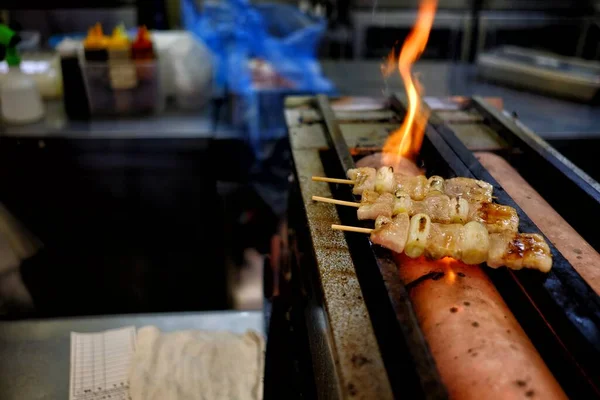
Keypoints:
(351, 228)
(332, 180)
(335, 201)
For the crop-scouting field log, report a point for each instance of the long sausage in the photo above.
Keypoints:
(479, 347)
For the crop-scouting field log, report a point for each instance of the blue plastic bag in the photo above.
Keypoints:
(279, 34)
(217, 26)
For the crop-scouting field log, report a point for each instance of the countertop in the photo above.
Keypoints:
(35, 354)
(170, 123)
(551, 118)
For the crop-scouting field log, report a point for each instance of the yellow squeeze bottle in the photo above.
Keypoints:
(119, 46)
(95, 44)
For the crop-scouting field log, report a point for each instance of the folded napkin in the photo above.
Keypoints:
(198, 365)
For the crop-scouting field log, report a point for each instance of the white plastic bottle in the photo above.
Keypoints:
(20, 99)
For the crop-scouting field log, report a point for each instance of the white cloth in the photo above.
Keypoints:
(198, 365)
(16, 245)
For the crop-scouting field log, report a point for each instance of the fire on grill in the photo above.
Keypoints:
(476, 325)
(432, 322)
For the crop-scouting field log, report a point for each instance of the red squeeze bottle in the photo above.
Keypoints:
(141, 48)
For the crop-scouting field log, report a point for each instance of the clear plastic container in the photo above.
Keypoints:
(123, 88)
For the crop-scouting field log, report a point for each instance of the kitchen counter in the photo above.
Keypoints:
(551, 118)
(35, 354)
(171, 123)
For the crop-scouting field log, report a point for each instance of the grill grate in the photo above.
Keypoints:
(559, 311)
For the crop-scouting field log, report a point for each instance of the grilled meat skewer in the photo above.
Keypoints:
(440, 208)
(385, 180)
(470, 243)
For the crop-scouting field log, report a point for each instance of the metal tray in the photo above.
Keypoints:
(541, 71)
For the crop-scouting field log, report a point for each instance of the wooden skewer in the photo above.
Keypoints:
(335, 201)
(332, 180)
(351, 228)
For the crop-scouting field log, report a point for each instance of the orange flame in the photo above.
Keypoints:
(447, 263)
(406, 141)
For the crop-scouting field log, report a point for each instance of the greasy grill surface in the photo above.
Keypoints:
(559, 311)
(413, 348)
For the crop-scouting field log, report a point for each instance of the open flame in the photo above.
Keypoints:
(406, 141)
(450, 274)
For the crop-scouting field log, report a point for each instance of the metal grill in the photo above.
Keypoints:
(559, 312)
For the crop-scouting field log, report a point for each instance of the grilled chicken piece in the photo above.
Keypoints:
(472, 190)
(498, 218)
(444, 241)
(468, 243)
(374, 205)
(437, 207)
(364, 179)
(369, 196)
(391, 233)
(414, 186)
(519, 250)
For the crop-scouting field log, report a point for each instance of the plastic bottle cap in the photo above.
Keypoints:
(95, 38)
(119, 39)
(142, 39)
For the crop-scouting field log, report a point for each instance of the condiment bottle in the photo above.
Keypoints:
(142, 48)
(119, 47)
(74, 90)
(122, 71)
(96, 44)
(142, 52)
(20, 99)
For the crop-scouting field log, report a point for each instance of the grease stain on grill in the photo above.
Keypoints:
(352, 389)
(344, 274)
(453, 309)
(359, 360)
(332, 247)
(475, 324)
